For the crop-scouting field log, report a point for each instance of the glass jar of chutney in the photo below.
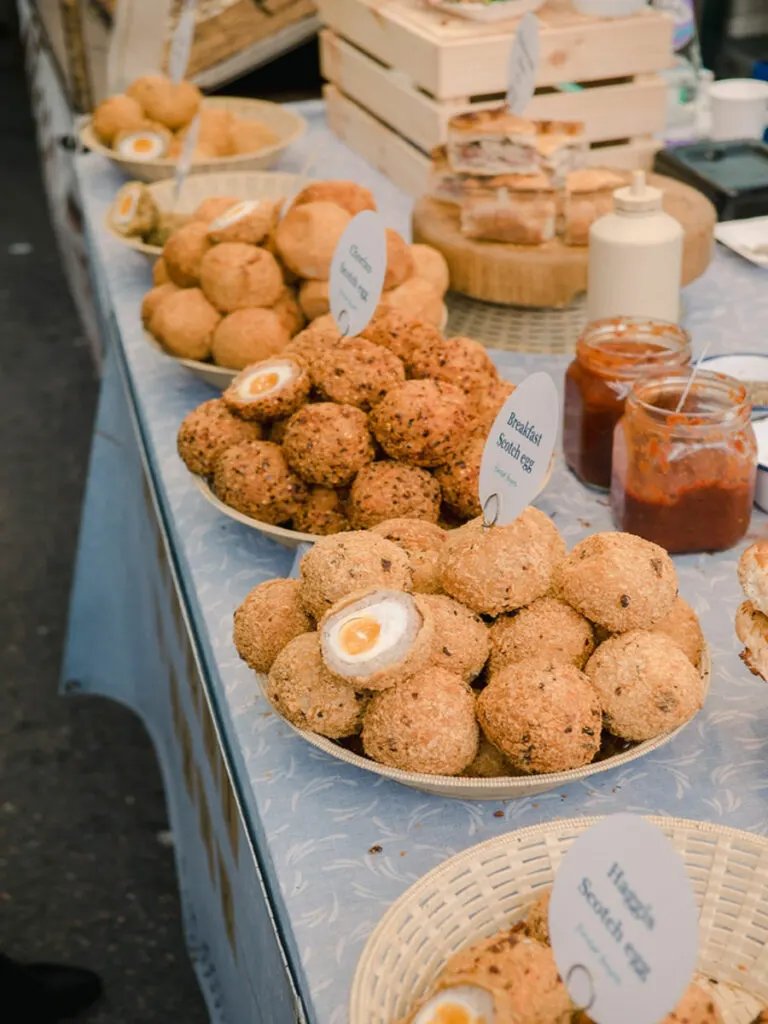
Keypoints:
(685, 480)
(610, 356)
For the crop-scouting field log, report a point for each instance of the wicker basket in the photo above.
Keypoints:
(287, 125)
(197, 187)
(503, 788)
(490, 886)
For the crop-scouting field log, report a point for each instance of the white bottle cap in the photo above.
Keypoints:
(638, 197)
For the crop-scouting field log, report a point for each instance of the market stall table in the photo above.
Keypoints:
(286, 858)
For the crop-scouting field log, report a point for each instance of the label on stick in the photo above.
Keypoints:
(181, 44)
(517, 457)
(357, 273)
(623, 922)
(184, 165)
(523, 64)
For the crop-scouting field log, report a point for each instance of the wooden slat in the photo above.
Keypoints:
(390, 95)
(453, 58)
(401, 162)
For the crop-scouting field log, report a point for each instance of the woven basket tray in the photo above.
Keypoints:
(197, 187)
(490, 886)
(287, 125)
(506, 787)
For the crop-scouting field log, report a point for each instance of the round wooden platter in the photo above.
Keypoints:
(552, 274)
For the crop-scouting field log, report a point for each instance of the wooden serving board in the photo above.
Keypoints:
(552, 274)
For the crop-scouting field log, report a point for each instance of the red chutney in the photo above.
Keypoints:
(610, 356)
(685, 480)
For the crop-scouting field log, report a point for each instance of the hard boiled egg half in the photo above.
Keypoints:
(142, 145)
(370, 634)
(463, 1004)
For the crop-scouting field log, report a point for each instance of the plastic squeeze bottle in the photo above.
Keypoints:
(635, 257)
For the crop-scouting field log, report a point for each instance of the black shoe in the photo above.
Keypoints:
(44, 993)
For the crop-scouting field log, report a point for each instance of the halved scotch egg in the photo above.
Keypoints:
(463, 1004)
(268, 390)
(134, 211)
(248, 221)
(372, 639)
(145, 144)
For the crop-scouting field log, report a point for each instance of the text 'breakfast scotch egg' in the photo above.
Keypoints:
(373, 639)
(464, 1004)
(142, 145)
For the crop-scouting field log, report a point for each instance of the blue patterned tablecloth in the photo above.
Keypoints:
(317, 821)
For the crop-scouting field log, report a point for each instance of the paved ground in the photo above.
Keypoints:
(83, 876)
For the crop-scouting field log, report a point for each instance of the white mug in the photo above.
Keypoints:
(739, 108)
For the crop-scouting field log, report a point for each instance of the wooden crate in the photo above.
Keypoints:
(408, 69)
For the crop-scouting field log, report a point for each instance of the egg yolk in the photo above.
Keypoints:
(125, 206)
(452, 1013)
(143, 145)
(264, 382)
(358, 637)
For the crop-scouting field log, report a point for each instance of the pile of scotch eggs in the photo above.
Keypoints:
(513, 976)
(152, 118)
(336, 433)
(484, 651)
(240, 279)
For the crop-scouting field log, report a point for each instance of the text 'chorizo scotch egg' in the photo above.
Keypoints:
(268, 390)
(375, 638)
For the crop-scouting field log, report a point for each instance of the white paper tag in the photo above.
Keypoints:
(357, 273)
(234, 214)
(184, 165)
(523, 64)
(181, 44)
(518, 453)
(623, 922)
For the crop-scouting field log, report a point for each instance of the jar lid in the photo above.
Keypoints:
(639, 197)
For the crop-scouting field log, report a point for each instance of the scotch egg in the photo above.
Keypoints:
(143, 145)
(464, 1004)
(134, 211)
(373, 639)
(268, 390)
(248, 221)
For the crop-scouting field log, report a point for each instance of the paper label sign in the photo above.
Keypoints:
(357, 273)
(623, 922)
(518, 453)
(523, 64)
(181, 44)
(184, 165)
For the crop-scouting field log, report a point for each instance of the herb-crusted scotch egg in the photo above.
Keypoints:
(269, 390)
(134, 211)
(357, 372)
(344, 563)
(208, 431)
(254, 478)
(388, 490)
(461, 637)
(327, 444)
(322, 513)
(373, 638)
(421, 422)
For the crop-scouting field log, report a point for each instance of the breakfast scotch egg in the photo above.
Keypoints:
(145, 144)
(374, 638)
(268, 390)
(464, 1004)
